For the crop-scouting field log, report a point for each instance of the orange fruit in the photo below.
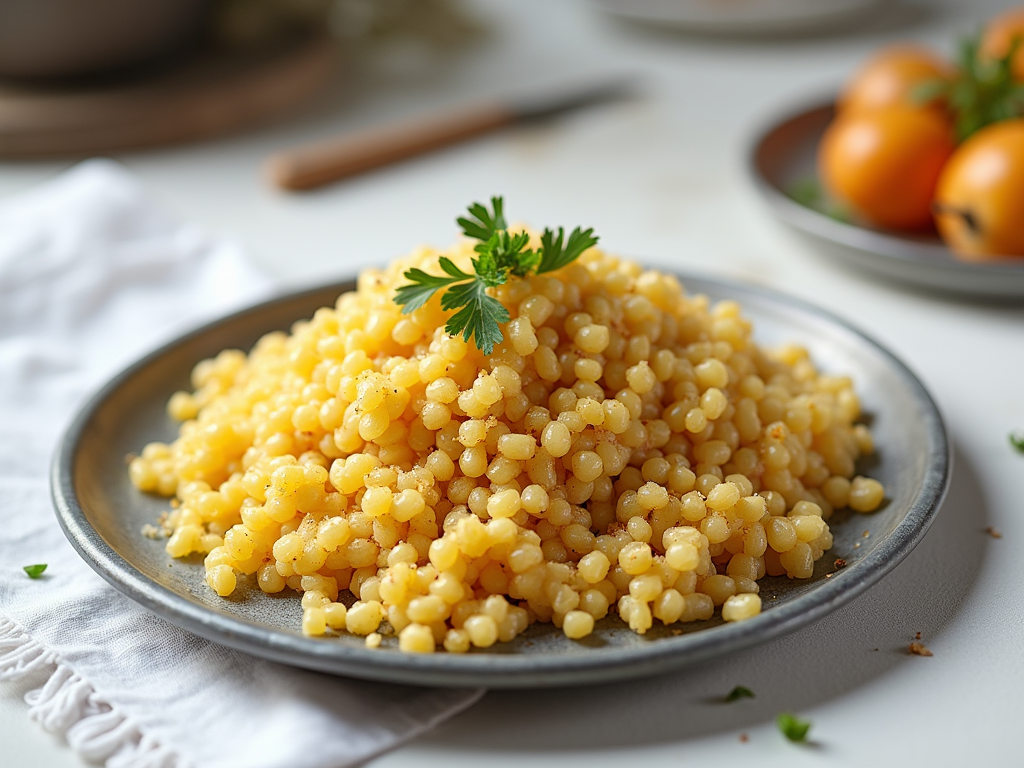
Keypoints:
(979, 200)
(884, 164)
(997, 36)
(889, 78)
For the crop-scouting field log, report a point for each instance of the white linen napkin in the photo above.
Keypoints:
(92, 274)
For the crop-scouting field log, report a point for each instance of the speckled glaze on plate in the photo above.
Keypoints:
(783, 154)
(103, 515)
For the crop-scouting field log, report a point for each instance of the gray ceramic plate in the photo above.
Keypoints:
(103, 515)
(783, 156)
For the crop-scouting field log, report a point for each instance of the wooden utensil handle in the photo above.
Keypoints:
(324, 162)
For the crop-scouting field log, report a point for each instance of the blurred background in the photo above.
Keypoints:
(195, 95)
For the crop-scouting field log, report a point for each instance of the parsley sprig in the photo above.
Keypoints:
(982, 90)
(792, 727)
(737, 693)
(501, 255)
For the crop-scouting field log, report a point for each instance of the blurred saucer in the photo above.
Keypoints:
(746, 17)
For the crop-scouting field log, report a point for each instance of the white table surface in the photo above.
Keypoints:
(662, 179)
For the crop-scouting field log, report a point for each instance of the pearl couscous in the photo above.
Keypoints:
(626, 449)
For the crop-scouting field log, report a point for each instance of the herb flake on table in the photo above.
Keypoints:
(737, 693)
(502, 255)
(793, 728)
(1017, 441)
(35, 571)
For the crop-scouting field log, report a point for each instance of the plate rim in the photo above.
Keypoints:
(501, 670)
(756, 22)
(890, 246)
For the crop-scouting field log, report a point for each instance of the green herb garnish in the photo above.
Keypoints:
(792, 727)
(35, 571)
(502, 254)
(983, 91)
(739, 692)
(1017, 440)
(809, 193)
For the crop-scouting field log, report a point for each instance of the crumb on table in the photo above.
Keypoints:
(919, 649)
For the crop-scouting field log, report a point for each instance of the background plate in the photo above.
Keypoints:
(212, 90)
(742, 17)
(102, 515)
(783, 155)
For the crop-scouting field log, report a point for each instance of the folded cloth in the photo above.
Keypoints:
(92, 274)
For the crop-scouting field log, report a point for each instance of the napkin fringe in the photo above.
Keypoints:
(68, 705)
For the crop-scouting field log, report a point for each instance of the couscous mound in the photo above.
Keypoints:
(626, 448)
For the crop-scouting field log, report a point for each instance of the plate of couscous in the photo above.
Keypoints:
(517, 462)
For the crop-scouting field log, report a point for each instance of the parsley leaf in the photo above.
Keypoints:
(1017, 440)
(555, 256)
(449, 266)
(500, 255)
(484, 224)
(739, 692)
(792, 727)
(35, 571)
(423, 286)
(479, 317)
